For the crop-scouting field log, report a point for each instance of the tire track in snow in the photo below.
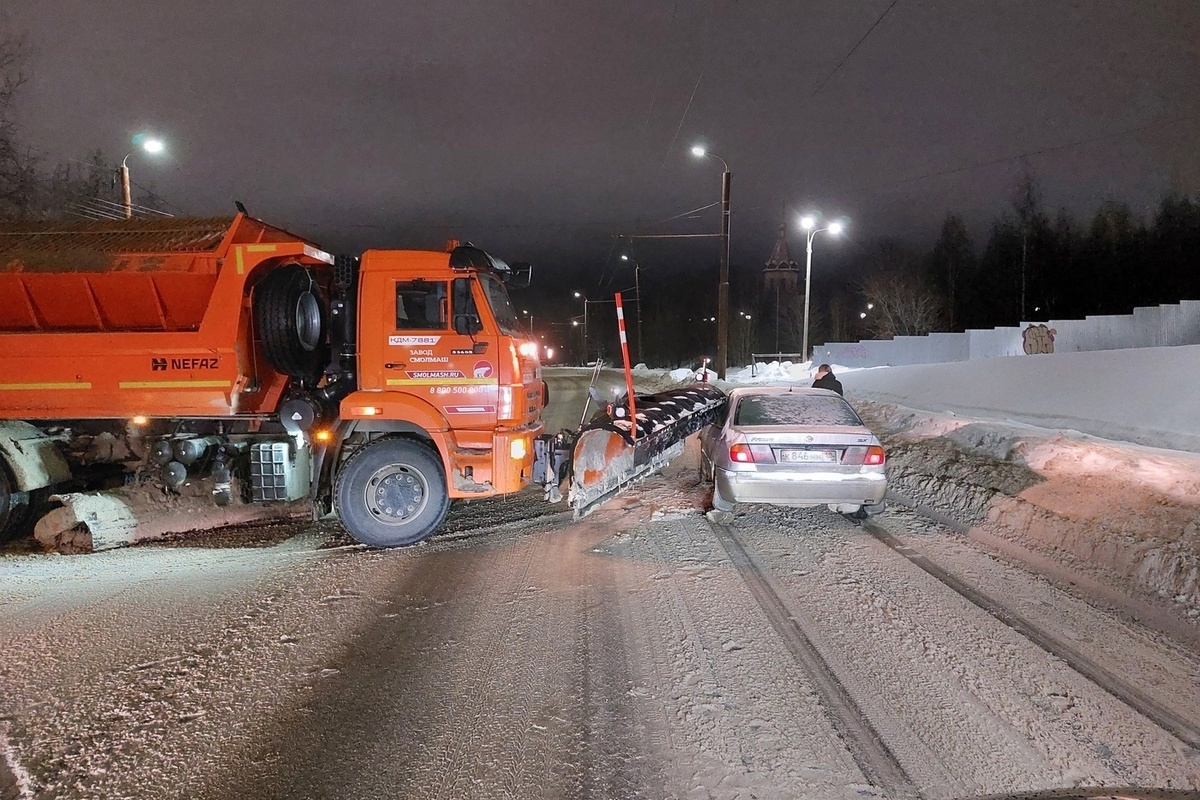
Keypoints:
(1173, 723)
(15, 783)
(867, 748)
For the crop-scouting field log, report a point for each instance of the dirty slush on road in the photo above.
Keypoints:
(641, 652)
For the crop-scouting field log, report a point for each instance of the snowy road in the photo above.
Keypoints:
(641, 652)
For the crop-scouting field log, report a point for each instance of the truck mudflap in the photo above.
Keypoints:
(608, 456)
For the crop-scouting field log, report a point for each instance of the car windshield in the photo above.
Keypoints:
(794, 409)
(502, 307)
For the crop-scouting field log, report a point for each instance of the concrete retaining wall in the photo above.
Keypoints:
(1158, 326)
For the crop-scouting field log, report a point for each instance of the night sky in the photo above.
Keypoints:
(541, 129)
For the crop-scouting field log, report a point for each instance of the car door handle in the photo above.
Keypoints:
(391, 365)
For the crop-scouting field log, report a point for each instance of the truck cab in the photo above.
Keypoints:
(445, 371)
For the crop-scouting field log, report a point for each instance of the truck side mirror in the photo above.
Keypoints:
(522, 274)
(467, 324)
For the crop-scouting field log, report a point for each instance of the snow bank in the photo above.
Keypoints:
(1149, 396)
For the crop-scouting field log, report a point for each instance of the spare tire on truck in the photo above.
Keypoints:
(392, 493)
(291, 321)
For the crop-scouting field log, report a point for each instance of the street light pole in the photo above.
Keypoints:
(809, 224)
(807, 293)
(150, 145)
(723, 285)
(585, 326)
(126, 195)
(637, 287)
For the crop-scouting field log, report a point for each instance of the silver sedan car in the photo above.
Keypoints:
(793, 447)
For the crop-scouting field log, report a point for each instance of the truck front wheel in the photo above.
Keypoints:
(392, 493)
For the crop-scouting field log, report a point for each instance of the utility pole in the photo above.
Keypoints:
(637, 284)
(699, 151)
(723, 288)
(1024, 252)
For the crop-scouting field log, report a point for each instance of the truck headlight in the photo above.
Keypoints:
(506, 407)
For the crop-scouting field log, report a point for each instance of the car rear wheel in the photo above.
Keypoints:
(719, 501)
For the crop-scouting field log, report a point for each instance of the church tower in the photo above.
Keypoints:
(781, 285)
(782, 274)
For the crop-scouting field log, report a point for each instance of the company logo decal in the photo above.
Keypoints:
(413, 341)
(483, 369)
(434, 373)
(164, 364)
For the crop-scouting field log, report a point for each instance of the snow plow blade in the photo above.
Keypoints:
(606, 459)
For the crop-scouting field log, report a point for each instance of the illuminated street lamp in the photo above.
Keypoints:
(723, 286)
(809, 223)
(148, 144)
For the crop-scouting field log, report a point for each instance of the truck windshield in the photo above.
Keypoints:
(502, 307)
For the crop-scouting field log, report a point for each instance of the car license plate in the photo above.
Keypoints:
(808, 456)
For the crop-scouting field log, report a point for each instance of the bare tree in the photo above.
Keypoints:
(742, 335)
(16, 178)
(904, 305)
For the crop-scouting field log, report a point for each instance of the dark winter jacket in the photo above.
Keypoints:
(827, 381)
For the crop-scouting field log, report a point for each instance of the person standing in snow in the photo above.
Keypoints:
(825, 379)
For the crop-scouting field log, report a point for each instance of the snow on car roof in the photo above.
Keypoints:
(805, 407)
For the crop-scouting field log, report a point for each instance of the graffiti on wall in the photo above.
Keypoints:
(1038, 339)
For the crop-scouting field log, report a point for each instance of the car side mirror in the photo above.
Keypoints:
(467, 324)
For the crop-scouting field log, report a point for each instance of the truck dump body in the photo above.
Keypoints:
(120, 319)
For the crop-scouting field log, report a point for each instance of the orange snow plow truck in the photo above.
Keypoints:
(178, 374)
(233, 356)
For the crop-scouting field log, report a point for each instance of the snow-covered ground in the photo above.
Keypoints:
(1091, 458)
(628, 655)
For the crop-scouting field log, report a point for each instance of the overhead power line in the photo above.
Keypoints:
(854, 49)
(1038, 152)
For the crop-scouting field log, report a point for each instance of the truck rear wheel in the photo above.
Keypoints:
(291, 321)
(392, 493)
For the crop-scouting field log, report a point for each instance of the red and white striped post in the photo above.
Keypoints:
(628, 371)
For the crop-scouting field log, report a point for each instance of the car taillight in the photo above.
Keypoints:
(741, 454)
(751, 454)
(875, 456)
